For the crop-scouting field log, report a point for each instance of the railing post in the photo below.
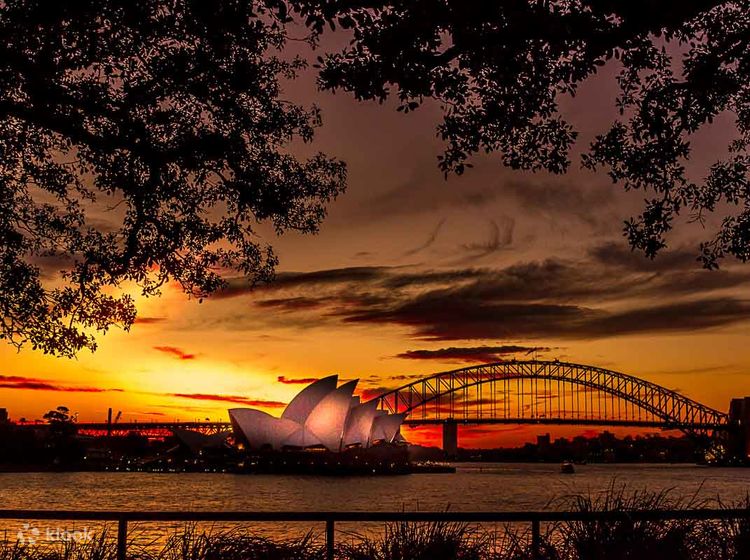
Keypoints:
(535, 538)
(330, 537)
(122, 538)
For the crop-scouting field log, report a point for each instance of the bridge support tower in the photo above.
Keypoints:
(739, 435)
(450, 439)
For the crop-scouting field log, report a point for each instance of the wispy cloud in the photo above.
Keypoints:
(471, 354)
(371, 393)
(35, 384)
(149, 320)
(428, 242)
(501, 236)
(230, 398)
(593, 205)
(292, 304)
(298, 381)
(178, 353)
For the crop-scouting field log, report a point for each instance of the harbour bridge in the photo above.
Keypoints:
(550, 392)
(532, 392)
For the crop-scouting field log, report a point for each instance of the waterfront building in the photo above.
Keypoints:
(322, 415)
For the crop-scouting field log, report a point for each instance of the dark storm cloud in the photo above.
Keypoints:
(559, 281)
(239, 286)
(330, 276)
(620, 256)
(671, 272)
(673, 317)
(471, 354)
(549, 279)
(446, 316)
(459, 315)
(609, 293)
(403, 279)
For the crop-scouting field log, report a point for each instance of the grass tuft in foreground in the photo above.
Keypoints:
(420, 541)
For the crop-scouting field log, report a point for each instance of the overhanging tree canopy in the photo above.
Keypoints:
(167, 119)
(499, 69)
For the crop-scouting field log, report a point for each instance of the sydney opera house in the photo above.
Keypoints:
(322, 417)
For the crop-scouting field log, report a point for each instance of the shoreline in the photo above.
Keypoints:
(418, 469)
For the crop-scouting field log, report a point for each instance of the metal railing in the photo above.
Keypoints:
(330, 518)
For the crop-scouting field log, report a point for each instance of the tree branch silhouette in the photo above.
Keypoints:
(169, 112)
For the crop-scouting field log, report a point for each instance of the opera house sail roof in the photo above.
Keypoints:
(306, 400)
(321, 415)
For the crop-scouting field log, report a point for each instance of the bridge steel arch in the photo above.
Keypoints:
(441, 398)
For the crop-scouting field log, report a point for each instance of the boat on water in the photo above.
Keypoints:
(430, 467)
(567, 468)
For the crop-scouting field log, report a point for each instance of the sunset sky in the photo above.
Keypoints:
(414, 274)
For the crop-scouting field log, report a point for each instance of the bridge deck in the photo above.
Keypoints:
(222, 426)
(570, 422)
(139, 426)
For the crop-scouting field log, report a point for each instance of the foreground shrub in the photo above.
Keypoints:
(512, 543)
(420, 541)
(193, 544)
(723, 539)
(625, 539)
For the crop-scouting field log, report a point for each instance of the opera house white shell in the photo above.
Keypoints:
(321, 415)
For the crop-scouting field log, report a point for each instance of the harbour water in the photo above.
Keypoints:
(474, 487)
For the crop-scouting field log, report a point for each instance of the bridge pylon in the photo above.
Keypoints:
(450, 438)
(739, 434)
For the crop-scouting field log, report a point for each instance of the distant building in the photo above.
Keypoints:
(543, 440)
(197, 442)
(4, 416)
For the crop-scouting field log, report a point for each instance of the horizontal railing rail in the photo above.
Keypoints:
(330, 518)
